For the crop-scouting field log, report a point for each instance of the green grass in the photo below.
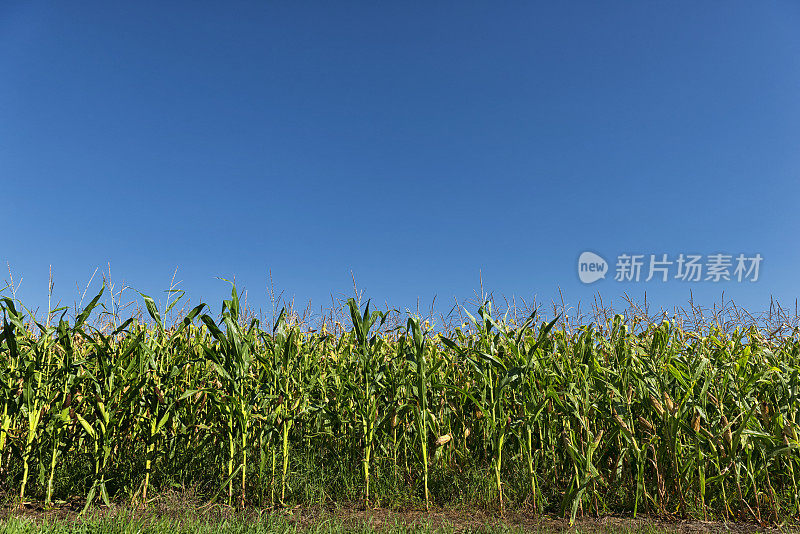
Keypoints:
(116, 526)
(326, 524)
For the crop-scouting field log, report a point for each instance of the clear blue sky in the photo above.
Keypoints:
(414, 144)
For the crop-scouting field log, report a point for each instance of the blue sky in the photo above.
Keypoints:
(417, 145)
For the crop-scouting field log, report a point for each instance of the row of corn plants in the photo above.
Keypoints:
(596, 419)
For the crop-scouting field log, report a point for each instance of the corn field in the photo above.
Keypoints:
(604, 418)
